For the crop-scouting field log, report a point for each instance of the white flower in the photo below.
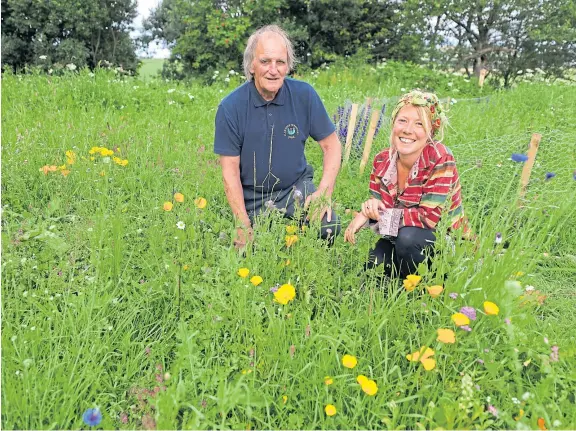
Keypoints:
(171, 102)
(232, 72)
(526, 396)
(180, 225)
(135, 87)
(529, 288)
(172, 90)
(71, 66)
(190, 96)
(402, 90)
(450, 84)
(226, 79)
(42, 57)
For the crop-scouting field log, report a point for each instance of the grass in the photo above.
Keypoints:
(106, 303)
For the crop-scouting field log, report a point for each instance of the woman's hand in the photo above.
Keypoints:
(354, 226)
(371, 208)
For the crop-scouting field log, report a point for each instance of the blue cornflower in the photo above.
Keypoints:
(92, 417)
(574, 175)
(517, 157)
(549, 175)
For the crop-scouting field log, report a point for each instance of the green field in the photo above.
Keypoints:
(150, 67)
(106, 303)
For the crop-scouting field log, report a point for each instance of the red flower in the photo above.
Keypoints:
(432, 109)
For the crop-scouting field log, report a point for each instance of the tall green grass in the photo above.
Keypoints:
(106, 303)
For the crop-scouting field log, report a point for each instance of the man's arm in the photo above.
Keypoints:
(233, 188)
(332, 155)
(332, 150)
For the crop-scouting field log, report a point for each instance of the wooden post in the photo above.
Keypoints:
(527, 170)
(369, 139)
(350, 135)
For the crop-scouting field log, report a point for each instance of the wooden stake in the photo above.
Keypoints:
(483, 73)
(350, 135)
(369, 139)
(527, 170)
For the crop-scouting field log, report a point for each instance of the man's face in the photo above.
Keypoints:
(270, 65)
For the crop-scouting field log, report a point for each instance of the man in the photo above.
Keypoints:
(261, 129)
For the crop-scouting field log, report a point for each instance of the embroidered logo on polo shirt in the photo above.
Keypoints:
(291, 131)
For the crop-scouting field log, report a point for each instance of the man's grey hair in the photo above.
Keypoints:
(253, 43)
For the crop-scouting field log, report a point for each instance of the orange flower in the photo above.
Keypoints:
(542, 424)
(167, 206)
(65, 172)
(200, 203)
(48, 168)
(328, 380)
(179, 197)
(446, 336)
(423, 355)
(434, 291)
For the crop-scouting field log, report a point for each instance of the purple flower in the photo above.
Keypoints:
(275, 288)
(480, 361)
(574, 175)
(92, 417)
(453, 295)
(466, 328)
(549, 175)
(469, 312)
(498, 238)
(493, 410)
(520, 158)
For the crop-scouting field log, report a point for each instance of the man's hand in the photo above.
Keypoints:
(243, 236)
(354, 226)
(372, 207)
(323, 207)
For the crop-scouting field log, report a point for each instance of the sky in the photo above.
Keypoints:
(143, 9)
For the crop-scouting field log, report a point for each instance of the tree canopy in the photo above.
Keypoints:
(56, 33)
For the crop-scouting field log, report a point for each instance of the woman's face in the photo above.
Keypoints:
(409, 135)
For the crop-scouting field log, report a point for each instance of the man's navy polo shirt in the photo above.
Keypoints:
(269, 137)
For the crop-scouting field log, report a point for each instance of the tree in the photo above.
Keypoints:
(59, 32)
(206, 35)
(506, 37)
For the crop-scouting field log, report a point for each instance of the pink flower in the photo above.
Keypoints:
(493, 410)
(466, 328)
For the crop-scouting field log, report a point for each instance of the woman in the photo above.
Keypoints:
(412, 183)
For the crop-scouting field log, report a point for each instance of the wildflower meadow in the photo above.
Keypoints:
(125, 304)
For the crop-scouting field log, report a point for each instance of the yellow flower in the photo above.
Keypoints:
(285, 294)
(200, 203)
(256, 280)
(491, 309)
(290, 240)
(423, 356)
(102, 173)
(70, 157)
(330, 410)
(446, 336)
(186, 267)
(61, 168)
(291, 230)
(349, 361)
(328, 380)
(243, 272)
(284, 399)
(179, 197)
(167, 206)
(411, 282)
(248, 371)
(65, 172)
(123, 162)
(361, 379)
(104, 152)
(94, 150)
(117, 160)
(460, 319)
(435, 291)
(370, 387)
